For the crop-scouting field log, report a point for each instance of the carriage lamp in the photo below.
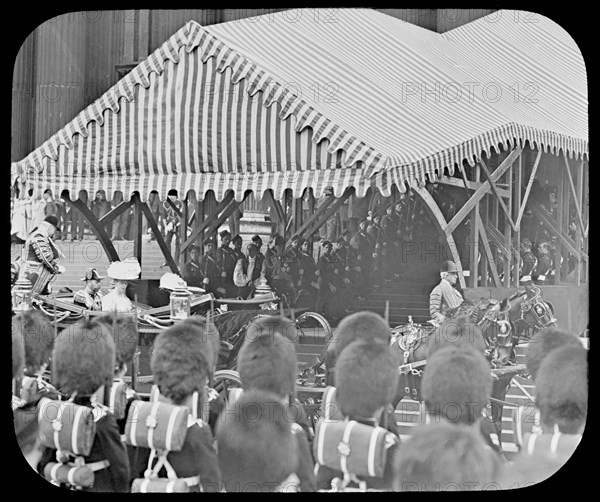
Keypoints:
(181, 304)
(22, 295)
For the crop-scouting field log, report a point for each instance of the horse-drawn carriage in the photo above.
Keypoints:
(504, 325)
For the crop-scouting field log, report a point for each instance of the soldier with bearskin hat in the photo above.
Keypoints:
(183, 360)
(267, 362)
(258, 450)
(37, 333)
(366, 379)
(82, 362)
(544, 342)
(562, 398)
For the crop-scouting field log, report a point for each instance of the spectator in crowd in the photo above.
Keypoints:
(120, 223)
(22, 219)
(257, 446)
(237, 242)
(444, 457)
(247, 272)
(100, 207)
(192, 272)
(173, 222)
(38, 210)
(211, 271)
(226, 259)
(77, 220)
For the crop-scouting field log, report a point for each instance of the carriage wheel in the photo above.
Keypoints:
(308, 322)
(224, 380)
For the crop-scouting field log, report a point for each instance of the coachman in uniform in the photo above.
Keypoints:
(445, 296)
(90, 297)
(40, 255)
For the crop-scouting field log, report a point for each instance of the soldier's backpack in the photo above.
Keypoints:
(355, 449)
(330, 409)
(197, 409)
(560, 446)
(70, 429)
(162, 428)
(525, 420)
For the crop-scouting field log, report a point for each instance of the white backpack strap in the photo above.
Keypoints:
(113, 396)
(554, 441)
(371, 453)
(327, 403)
(531, 443)
(346, 439)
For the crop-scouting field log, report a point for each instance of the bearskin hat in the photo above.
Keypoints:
(428, 461)
(562, 388)
(460, 333)
(38, 338)
(257, 450)
(267, 359)
(83, 358)
(457, 384)
(125, 335)
(366, 377)
(18, 351)
(360, 326)
(26, 425)
(183, 358)
(542, 343)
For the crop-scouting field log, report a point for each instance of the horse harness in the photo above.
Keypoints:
(539, 309)
(409, 343)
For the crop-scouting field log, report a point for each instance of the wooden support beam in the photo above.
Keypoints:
(330, 211)
(574, 193)
(481, 191)
(95, 225)
(440, 224)
(528, 189)
(227, 212)
(470, 185)
(519, 204)
(495, 190)
(174, 208)
(159, 237)
(474, 239)
(183, 230)
(566, 241)
(315, 216)
(115, 212)
(490, 256)
(137, 229)
(207, 222)
(279, 211)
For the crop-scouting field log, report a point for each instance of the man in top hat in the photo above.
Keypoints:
(90, 297)
(40, 255)
(211, 271)
(445, 296)
(192, 272)
(227, 260)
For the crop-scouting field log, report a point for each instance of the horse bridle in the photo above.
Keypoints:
(538, 308)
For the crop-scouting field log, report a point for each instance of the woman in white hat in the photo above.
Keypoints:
(121, 273)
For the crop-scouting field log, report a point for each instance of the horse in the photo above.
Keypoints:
(504, 324)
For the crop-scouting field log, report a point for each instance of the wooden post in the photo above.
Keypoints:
(137, 229)
(199, 212)
(519, 203)
(474, 240)
(159, 237)
(483, 220)
(183, 231)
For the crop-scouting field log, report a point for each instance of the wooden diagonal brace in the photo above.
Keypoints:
(500, 201)
(481, 191)
(174, 207)
(198, 231)
(159, 238)
(227, 212)
(95, 225)
(330, 211)
(564, 240)
(314, 217)
(528, 189)
(577, 204)
(115, 212)
(490, 257)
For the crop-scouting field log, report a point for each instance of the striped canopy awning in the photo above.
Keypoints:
(293, 100)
